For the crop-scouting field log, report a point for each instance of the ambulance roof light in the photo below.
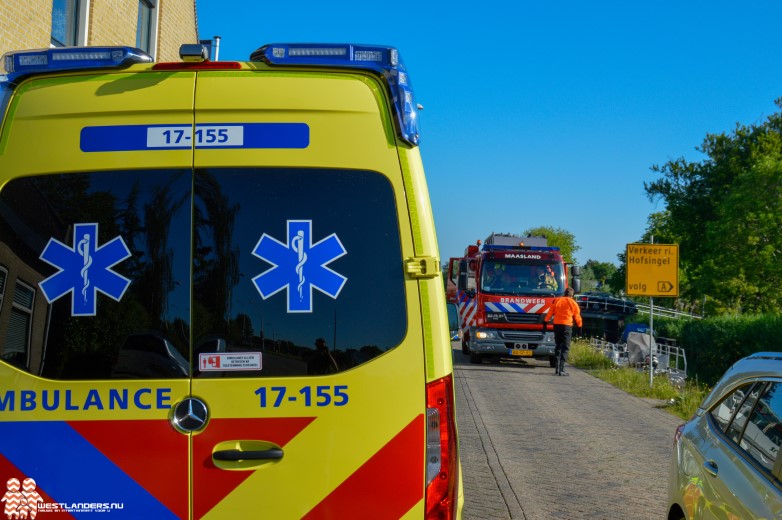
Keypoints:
(384, 61)
(22, 63)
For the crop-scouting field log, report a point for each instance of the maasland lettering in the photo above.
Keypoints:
(523, 256)
(114, 399)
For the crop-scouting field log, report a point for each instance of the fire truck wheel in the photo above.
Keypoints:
(476, 359)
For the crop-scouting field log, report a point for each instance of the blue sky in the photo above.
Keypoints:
(547, 113)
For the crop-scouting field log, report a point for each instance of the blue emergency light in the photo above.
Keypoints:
(493, 247)
(22, 63)
(384, 61)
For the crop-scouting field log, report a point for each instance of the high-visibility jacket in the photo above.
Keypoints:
(564, 310)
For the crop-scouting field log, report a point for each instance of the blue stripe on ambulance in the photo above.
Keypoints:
(36, 449)
(124, 138)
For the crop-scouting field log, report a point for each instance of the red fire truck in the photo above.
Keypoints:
(503, 289)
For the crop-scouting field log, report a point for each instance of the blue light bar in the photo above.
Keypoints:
(384, 61)
(5, 94)
(23, 63)
(546, 249)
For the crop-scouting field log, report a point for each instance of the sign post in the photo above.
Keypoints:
(652, 270)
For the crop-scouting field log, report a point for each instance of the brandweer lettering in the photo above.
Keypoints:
(522, 300)
(113, 399)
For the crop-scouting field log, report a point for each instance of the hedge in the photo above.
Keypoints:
(712, 345)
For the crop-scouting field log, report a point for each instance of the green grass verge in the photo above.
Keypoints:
(683, 401)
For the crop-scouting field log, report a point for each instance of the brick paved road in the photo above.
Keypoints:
(536, 446)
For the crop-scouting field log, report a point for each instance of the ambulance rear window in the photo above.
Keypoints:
(310, 270)
(214, 273)
(100, 264)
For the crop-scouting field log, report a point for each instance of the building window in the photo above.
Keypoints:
(17, 340)
(146, 29)
(65, 23)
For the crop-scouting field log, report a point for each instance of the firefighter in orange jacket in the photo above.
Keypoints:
(565, 311)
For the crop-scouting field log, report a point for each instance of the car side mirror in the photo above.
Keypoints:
(462, 281)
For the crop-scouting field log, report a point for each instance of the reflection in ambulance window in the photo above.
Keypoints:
(209, 223)
(267, 228)
(150, 212)
(149, 355)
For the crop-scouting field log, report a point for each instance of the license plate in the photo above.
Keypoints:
(520, 352)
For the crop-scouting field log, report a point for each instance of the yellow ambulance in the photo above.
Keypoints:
(220, 293)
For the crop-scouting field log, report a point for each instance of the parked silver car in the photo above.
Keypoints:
(725, 460)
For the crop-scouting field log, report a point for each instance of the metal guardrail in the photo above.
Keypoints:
(671, 360)
(605, 304)
(667, 313)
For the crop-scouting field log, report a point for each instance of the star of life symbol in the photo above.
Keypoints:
(299, 266)
(21, 500)
(84, 269)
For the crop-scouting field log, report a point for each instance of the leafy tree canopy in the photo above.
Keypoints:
(565, 240)
(725, 213)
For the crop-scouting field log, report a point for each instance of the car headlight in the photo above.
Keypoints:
(485, 334)
(549, 338)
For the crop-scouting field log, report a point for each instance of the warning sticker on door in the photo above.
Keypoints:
(232, 361)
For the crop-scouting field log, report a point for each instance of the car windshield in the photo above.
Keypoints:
(522, 279)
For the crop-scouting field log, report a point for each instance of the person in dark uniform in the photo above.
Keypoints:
(322, 362)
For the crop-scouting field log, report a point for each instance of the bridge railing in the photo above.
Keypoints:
(671, 360)
(667, 313)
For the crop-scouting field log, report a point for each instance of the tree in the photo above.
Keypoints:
(565, 240)
(601, 272)
(725, 214)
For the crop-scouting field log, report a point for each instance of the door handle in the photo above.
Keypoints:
(239, 455)
(711, 467)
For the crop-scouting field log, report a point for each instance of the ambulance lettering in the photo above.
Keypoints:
(113, 399)
(299, 266)
(84, 269)
(321, 395)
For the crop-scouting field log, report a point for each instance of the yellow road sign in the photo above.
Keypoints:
(652, 270)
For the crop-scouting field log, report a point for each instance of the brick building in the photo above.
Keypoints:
(157, 27)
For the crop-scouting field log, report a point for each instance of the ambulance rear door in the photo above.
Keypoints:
(95, 258)
(308, 344)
